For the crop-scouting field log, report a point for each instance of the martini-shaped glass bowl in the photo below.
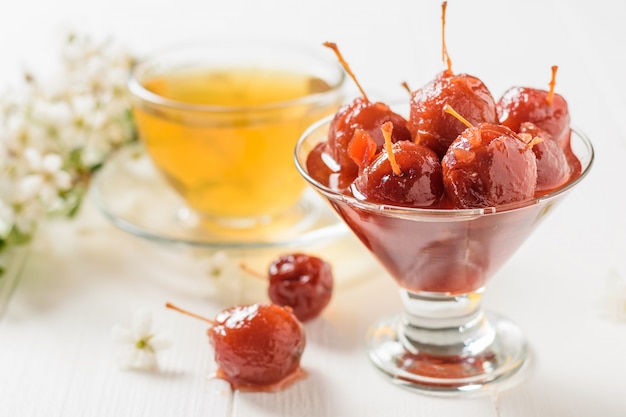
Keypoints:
(443, 341)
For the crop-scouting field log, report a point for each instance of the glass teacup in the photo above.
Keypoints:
(220, 119)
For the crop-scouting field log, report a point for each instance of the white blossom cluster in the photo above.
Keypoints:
(56, 130)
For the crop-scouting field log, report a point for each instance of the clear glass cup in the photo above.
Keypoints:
(219, 121)
(443, 342)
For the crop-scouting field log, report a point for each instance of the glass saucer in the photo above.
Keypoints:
(135, 198)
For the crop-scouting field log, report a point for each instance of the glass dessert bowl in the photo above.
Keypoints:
(443, 342)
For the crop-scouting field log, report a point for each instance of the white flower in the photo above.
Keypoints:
(138, 346)
(217, 263)
(220, 275)
(53, 113)
(26, 215)
(48, 168)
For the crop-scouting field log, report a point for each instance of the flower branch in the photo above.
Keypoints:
(57, 130)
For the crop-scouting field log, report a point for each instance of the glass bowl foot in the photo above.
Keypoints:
(449, 369)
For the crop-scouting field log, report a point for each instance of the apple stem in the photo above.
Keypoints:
(188, 313)
(552, 84)
(252, 272)
(445, 57)
(448, 109)
(406, 86)
(387, 129)
(346, 67)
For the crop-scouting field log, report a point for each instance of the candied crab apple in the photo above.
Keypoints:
(429, 124)
(553, 169)
(489, 165)
(257, 346)
(546, 109)
(302, 282)
(405, 174)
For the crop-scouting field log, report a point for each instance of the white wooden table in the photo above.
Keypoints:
(84, 277)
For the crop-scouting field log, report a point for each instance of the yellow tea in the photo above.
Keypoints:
(224, 139)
